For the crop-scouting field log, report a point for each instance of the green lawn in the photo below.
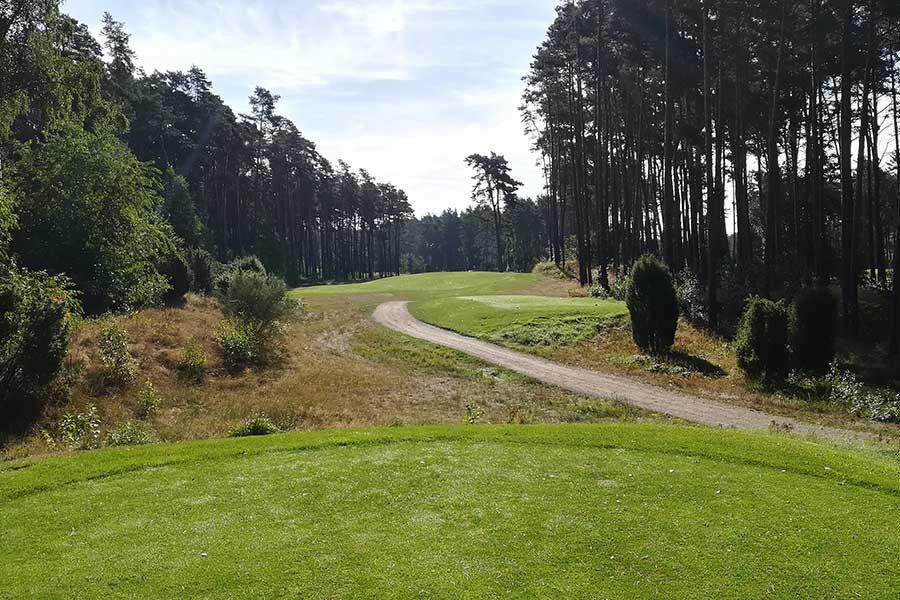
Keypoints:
(613, 511)
(431, 285)
(520, 320)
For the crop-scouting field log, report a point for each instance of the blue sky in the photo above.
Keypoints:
(403, 88)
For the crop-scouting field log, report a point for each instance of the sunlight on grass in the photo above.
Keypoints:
(611, 511)
(520, 320)
(430, 285)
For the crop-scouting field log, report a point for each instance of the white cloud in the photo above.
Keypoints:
(403, 88)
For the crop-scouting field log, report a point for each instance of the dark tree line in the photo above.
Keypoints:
(651, 117)
(256, 184)
(468, 241)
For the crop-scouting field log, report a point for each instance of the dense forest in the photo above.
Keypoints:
(652, 118)
(125, 181)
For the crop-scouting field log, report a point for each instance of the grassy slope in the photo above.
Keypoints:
(615, 511)
(520, 320)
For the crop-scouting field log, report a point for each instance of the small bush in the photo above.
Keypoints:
(813, 329)
(116, 358)
(473, 414)
(254, 427)
(691, 297)
(259, 299)
(203, 266)
(653, 305)
(599, 292)
(762, 340)
(80, 431)
(193, 362)
(846, 390)
(148, 401)
(178, 273)
(36, 317)
(238, 344)
(129, 434)
(619, 289)
(225, 275)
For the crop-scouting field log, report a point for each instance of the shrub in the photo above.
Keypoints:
(203, 266)
(177, 272)
(253, 427)
(120, 367)
(653, 306)
(193, 362)
(238, 344)
(225, 275)
(813, 329)
(148, 401)
(762, 340)
(598, 292)
(473, 414)
(129, 434)
(259, 299)
(36, 317)
(691, 297)
(80, 431)
(620, 287)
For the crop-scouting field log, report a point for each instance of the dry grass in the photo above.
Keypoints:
(336, 370)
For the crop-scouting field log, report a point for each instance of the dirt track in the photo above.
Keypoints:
(396, 316)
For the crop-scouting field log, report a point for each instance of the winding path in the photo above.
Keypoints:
(396, 316)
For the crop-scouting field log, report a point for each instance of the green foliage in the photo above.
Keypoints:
(473, 414)
(36, 316)
(120, 368)
(653, 305)
(762, 340)
(847, 390)
(130, 434)
(227, 273)
(238, 344)
(256, 426)
(691, 297)
(180, 211)
(193, 362)
(148, 401)
(80, 431)
(89, 209)
(7, 222)
(177, 272)
(813, 329)
(260, 299)
(620, 287)
(202, 266)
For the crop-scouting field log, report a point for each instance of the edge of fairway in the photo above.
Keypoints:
(859, 467)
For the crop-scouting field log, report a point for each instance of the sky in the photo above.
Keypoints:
(405, 89)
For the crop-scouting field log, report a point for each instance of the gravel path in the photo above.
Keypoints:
(396, 316)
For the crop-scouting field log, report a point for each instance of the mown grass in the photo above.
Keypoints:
(521, 320)
(433, 285)
(612, 511)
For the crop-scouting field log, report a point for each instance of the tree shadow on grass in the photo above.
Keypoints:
(694, 364)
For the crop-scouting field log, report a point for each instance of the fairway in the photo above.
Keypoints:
(520, 320)
(478, 512)
(431, 285)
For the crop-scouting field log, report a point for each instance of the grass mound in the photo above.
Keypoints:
(615, 511)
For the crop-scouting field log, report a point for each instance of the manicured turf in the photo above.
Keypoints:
(614, 511)
(431, 285)
(522, 320)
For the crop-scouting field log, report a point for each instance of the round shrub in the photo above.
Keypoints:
(178, 273)
(238, 345)
(653, 305)
(813, 329)
(256, 426)
(37, 312)
(762, 340)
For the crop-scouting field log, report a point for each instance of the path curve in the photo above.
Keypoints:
(396, 316)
